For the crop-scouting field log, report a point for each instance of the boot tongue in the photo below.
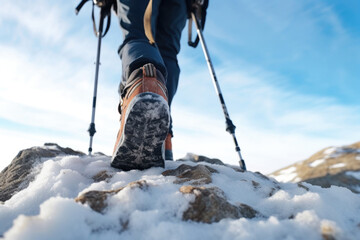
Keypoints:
(146, 71)
(149, 70)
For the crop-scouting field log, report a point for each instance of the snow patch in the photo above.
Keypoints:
(51, 147)
(354, 174)
(329, 150)
(317, 162)
(286, 175)
(298, 179)
(288, 170)
(338, 165)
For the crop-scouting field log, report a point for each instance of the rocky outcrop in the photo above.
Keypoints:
(17, 175)
(197, 175)
(199, 158)
(331, 166)
(342, 179)
(101, 176)
(210, 205)
(97, 200)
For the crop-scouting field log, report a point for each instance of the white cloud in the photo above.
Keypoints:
(46, 84)
(40, 18)
(46, 95)
(276, 125)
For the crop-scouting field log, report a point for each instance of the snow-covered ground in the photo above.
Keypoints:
(287, 175)
(46, 208)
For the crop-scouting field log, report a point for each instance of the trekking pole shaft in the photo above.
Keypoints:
(97, 64)
(229, 125)
(210, 66)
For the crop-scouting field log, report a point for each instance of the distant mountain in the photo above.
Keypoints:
(339, 166)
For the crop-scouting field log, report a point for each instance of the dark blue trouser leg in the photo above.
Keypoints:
(135, 51)
(170, 23)
(167, 22)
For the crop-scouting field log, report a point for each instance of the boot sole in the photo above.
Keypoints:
(146, 126)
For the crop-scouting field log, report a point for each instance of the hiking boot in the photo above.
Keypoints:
(144, 121)
(168, 148)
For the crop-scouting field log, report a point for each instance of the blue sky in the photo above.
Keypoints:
(288, 71)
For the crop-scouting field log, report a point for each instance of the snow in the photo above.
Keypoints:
(337, 152)
(317, 162)
(354, 174)
(286, 175)
(51, 147)
(334, 152)
(288, 170)
(46, 208)
(338, 165)
(329, 150)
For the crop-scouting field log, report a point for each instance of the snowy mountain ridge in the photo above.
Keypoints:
(68, 195)
(338, 166)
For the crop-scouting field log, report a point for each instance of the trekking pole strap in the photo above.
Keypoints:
(105, 12)
(81, 4)
(198, 7)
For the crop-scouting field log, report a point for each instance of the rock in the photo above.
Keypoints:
(210, 205)
(330, 166)
(199, 158)
(256, 185)
(101, 176)
(97, 200)
(17, 175)
(197, 175)
(341, 179)
(327, 232)
(259, 174)
(300, 185)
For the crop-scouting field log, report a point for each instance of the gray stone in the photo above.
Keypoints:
(17, 175)
(341, 179)
(97, 200)
(199, 158)
(210, 205)
(197, 175)
(101, 176)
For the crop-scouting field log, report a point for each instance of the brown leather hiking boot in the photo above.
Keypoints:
(144, 121)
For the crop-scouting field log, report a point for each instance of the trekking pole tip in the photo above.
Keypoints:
(242, 164)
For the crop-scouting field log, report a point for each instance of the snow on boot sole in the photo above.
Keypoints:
(146, 127)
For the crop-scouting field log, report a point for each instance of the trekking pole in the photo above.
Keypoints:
(105, 11)
(230, 127)
(91, 129)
